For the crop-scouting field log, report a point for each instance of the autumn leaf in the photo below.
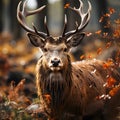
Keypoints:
(111, 10)
(47, 98)
(20, 86)
(108, 44)
(82, 57)
(14, 90)
(114, 90)
(89, 56)
(107, 15)
(67, 5)
(105, 34)
(89, 34)
(12, 93)
(116, 33)
(98, 32)
(99, 51)
(101, 19)
(117, 21)
(107, 64)
(110, 82)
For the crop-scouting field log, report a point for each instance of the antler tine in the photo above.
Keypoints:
(85, 17)
(65, 26)
(35, 11)
(77, 26)
(24, 12)
(35, 29)
(45, 23)
(21, 18)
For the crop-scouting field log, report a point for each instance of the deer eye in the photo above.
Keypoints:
(65, 49)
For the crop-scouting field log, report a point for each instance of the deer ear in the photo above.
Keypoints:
(36, 40)
(75, 40)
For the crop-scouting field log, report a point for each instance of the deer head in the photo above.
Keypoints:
(55, 48)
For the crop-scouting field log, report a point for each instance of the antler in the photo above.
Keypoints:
(85, 17)
(24, 13)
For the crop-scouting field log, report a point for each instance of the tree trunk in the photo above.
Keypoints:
(15, 28)
(1, 15)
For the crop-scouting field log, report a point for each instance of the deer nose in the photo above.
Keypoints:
(55, 62)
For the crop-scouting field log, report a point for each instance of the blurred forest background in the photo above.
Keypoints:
(18, 58)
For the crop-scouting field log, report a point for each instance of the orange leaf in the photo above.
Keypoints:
(67, 5)
(98, 32)
(116, 33)
(101, 19)
(111, 82)
(47, 98)
(114, 91)
(108, 44)
(89, 56)
(117, 21)
(105, 34)
(82, 57)
(89, 34)
(99, 51)
(20, 86)
(107, 15)
(108, 64)
(111, 10)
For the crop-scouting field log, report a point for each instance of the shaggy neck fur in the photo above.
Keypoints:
(54, 83)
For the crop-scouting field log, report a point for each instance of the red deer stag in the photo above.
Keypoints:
(69, 89)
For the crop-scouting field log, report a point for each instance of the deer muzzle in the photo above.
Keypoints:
(55, 64)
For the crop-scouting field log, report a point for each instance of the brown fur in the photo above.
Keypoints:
(68, 91)
(73, 90)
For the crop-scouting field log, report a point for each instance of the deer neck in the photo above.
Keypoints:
(55, 83)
